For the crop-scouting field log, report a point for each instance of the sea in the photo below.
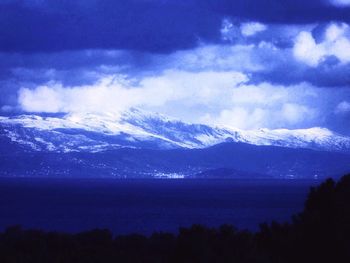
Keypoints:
(145, 206)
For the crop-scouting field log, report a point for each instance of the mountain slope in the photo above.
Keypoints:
(136, 144)
(227, 160)
(136, 129)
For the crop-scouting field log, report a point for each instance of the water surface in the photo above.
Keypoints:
(144, 206)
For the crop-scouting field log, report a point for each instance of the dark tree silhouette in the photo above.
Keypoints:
(320, 233)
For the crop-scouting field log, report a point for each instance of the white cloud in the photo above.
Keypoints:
(343, 107)
(219, 98)
(239, 57)
(112, 94)
(252, 28)
(294, 113)
(192, 89)
(268, 106)
(233, 32)
(243, 118)
(229, 31)
(336, 43)
(284, 115)
(305, 49)
(340, 3)
(106, 95)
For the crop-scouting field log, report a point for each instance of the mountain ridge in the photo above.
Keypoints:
(137, 129)
(138, 145)
(225, 160)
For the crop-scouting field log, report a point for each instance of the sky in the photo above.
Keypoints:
(248, 64)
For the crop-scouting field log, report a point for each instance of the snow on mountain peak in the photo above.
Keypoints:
(136, 128)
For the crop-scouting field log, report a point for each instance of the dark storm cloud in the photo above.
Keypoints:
(330, 73)
(282, 11)
(144, 25)
(136, 25)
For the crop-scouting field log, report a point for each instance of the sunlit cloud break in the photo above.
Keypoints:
(224, 98)
(250, 29)
(340, 3)
(336, 42)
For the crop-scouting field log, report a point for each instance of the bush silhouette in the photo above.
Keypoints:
(320, 233)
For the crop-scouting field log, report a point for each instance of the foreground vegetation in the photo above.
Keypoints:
(320, 233)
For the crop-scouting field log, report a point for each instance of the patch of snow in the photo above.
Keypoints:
(137, 126)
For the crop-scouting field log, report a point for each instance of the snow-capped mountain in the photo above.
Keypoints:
(138, 129)
(139, 144)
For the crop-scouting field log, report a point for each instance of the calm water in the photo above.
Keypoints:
(144, 206)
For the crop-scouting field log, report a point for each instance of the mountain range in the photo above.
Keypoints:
(136, 143)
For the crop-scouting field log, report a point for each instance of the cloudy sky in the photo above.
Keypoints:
(244, 63)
